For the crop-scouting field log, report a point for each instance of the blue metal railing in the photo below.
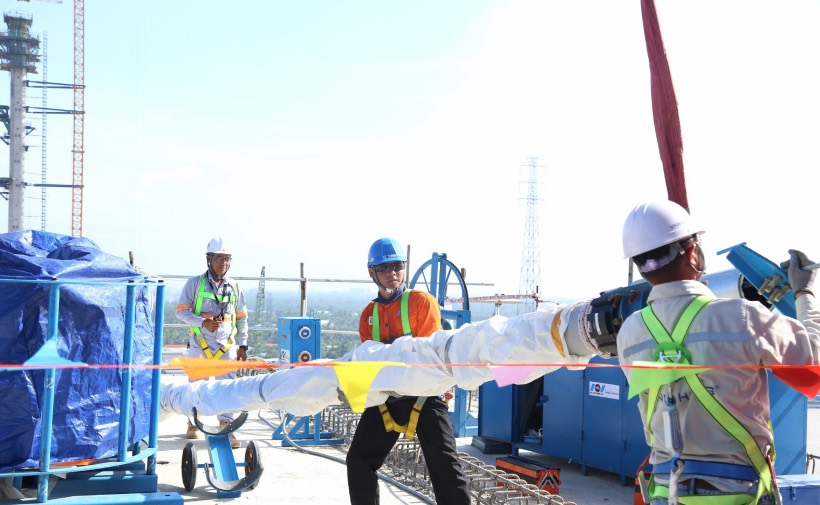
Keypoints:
(44, 468)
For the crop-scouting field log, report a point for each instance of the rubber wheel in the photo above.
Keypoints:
(251, 460)
(189, 466)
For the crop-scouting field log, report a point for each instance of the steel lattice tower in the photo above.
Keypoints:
(530, 281)
(259, 315)
(18, 55)
(43, 125)
(78, 151)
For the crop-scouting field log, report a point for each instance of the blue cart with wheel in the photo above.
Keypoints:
(225, 478)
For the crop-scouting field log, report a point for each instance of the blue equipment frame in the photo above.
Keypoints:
(140, 484)
(307, 430)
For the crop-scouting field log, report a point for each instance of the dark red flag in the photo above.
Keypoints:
(664, 107)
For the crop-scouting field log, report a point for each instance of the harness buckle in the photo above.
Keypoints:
(672, 353)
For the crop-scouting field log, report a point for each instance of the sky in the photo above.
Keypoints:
(303, 131)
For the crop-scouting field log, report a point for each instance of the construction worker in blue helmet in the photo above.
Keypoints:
(709, 433)
(213, 306)
(401, 312)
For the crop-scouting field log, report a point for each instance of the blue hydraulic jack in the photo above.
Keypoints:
(226, 478)
(302, 432)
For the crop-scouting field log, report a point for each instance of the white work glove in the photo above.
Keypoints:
(799, 278)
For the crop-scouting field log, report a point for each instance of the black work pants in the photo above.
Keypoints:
(372, 444)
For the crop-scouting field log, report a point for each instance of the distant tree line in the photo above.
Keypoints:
(338, 311)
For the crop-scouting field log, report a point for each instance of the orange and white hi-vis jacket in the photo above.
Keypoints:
(421, 313)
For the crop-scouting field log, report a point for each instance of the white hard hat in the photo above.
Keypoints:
(654, 224)
(219, 246)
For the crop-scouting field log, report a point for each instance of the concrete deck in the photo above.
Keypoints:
(294, 477)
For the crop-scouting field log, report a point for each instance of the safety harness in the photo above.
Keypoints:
(201, 295)
(405, 316)
(408, 429)
(671, 350)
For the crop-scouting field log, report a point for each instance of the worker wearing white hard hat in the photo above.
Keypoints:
(709, 433)
(651, 226)
(218, 245)
(214, 307)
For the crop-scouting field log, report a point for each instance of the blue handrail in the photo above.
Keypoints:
(48, 401)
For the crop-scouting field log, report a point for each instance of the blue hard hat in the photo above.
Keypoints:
(385, 250)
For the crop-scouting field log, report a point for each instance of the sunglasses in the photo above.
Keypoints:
(397, 266)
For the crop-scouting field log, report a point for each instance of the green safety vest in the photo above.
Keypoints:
(408, 429)
(405, 316)
(201, 295)
(672, 345)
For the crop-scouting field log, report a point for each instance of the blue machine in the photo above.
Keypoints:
(438, 273)
(584, 416)
(799, 489)
(300, 342)
(299, 339)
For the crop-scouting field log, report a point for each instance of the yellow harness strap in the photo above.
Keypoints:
(207, 349)
(408, 429)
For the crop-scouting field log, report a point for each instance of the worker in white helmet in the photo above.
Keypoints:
(710, 433)
(214, 307)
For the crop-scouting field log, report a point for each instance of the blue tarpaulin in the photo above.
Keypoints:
(91, 330)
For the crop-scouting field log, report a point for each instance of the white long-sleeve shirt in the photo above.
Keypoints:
(727, 332)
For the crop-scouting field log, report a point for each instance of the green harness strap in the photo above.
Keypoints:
(201, 295)
(405, 316)
(659, 491)
(671, 350)
(408, 429)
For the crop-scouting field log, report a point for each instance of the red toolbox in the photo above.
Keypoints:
(534, 472)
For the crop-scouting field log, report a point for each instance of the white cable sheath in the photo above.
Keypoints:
(300, 391)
